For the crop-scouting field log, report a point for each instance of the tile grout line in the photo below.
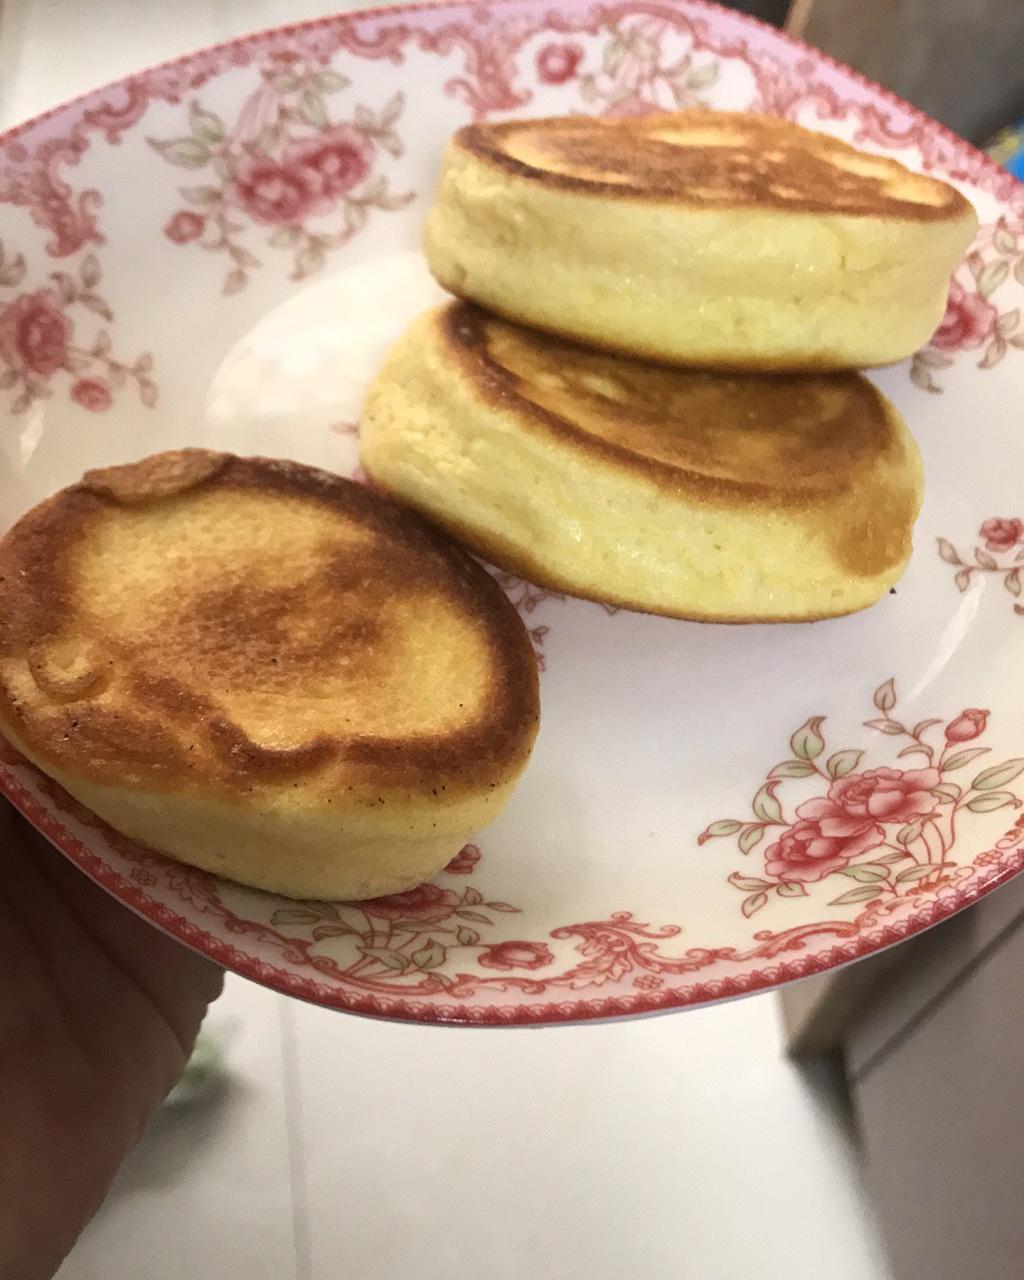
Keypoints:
(293, 1125)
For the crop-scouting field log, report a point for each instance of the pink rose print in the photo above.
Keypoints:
(464, 862)
(339, 161)
(968, 725)
(184, 226)
(92, 395)
(907, 820)
(980, 317)
(557, 63)
(307, 182)
(1001, 555)
(516, 955)
(426, 902)
(878, 795)
(1002, 533)
(806, 852)
(968, 322)
(51, 337)
(285, 172)
(271, 193)
(35, 333)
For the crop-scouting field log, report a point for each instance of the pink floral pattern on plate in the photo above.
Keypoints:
(558, 63)
(526, 597)
(412, 932)
(407, 943)
(278, 145)
(41, 341)
(891, 830)
(999, 551)
(973, 322)
(283, 169)
(639, 71)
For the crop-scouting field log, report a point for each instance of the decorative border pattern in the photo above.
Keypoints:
(608, 950)
(787, 79)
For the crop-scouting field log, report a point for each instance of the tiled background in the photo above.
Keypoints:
(327, 1147)
(683, 1147)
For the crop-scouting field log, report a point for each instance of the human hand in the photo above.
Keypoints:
(98, 1014)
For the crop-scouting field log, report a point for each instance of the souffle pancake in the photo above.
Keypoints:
(719, 497)
(264, 670)
(713, 239)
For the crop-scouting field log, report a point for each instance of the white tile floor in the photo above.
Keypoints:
(207, 1193)
(683, 1147)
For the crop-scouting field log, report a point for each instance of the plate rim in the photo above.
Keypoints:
(929, 913)
(428, 6)
(932, 912)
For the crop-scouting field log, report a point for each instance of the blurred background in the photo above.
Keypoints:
(958, 60)
(865, 1126)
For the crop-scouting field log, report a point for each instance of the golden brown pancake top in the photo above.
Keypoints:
(785, 434)
(713, 159)
(198, 616)
(800, 441)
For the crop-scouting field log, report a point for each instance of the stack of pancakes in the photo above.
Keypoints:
(748, 475)
(287, 678)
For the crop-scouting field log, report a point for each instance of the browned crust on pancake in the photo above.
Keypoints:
(162, 475)
(141, 740)
(659, 171)
(463, 333)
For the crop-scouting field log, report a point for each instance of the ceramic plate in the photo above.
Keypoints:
(217, 251)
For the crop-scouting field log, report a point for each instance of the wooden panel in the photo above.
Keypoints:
(960, 62)
(934, 962)
(857, 1010)
(773, 11)
(943, 1130)
(818, 1012)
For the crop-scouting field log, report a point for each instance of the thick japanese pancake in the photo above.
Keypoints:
(264, 670)
(720, 497)
(703, 238)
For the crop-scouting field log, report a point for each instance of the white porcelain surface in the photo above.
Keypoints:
(217, 251)
(665, 1141)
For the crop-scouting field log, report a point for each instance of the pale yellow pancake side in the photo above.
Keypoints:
(702, 238)
(734, 498)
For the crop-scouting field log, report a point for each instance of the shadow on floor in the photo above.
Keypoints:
(179, 1137)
